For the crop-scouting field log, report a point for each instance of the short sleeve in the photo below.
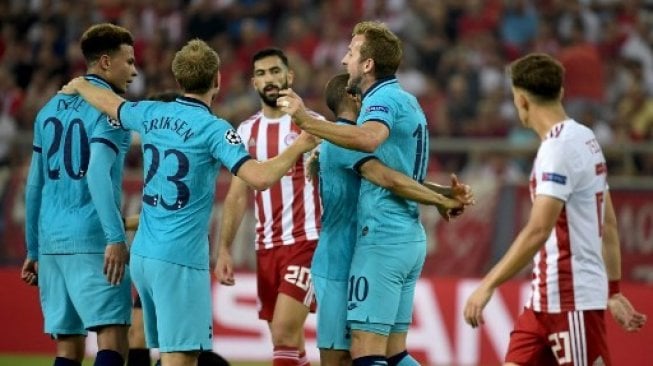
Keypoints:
(226, 145)
(378, 109)
(355, 159)
(554, 169)
(108, 134)
(132, 114)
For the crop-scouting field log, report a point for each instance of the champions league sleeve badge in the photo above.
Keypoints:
(232, 137)
(114, 122)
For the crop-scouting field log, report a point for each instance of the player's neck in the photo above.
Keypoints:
(271, 112)
(546, 117)
(205, 98)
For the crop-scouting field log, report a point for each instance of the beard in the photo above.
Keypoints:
(271, 99)
(354, 85)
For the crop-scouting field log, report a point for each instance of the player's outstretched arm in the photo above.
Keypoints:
(401, 185)
(530, 239)
(103, 99)
(234, 207)
(366, 137)
(458, 191)
(621, 309)
(262, 175)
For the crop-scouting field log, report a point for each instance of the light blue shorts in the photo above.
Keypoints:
(76, 295)
(332, 330)
(176, 304)
(382, 283)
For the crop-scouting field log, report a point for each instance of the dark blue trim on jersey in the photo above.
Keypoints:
(101, 80)
(107, 142)
(118, 115)
(379, 121)
(193, 103)
(37, 149)
(347, 121)
(359, 164)
(236, 167)
(378, 84)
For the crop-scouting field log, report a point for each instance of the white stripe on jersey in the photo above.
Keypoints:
(287, 192)
(276, 227)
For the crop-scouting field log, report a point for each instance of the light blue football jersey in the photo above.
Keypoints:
(382, 216)
(65, 221)
(339, 189)
(184, 146)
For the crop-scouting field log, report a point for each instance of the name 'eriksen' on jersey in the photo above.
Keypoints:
(177, 125)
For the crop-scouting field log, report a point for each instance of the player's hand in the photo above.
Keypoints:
(475, 304)
(224, 269)
(448, 213)
(461, 192)
(313, 165)
(291, 103)
(624, 314)
(30, 272)
(71, 87)
(306, 142)
(116, 257)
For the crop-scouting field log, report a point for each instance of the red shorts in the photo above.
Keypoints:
(575, 338)
(285, 269)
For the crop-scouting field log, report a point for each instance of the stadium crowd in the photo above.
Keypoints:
(455, 56)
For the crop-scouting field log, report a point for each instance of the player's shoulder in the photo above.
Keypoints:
(251, 120)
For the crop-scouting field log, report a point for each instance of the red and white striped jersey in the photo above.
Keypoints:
(289, 211)
(569, 273)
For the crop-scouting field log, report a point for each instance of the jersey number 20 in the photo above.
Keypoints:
(54, 171)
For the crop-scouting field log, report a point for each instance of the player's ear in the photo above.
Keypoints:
(104, 62)
(368, 65)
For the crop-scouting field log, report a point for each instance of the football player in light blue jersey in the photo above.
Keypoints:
(391, 243)
(73, 223)
(339, 190)
(184, 145)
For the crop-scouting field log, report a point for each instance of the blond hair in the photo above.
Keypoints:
(195, 67)
(381, 45)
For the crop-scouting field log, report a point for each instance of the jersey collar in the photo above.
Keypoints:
(102, 81)
(193, 102)
(392, 79)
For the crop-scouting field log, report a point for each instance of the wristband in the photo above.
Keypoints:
(613, 288)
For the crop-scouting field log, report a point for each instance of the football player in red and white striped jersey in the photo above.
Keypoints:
(571, 235)
(287, 217)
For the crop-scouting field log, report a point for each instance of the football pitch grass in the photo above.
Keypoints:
(31, 360)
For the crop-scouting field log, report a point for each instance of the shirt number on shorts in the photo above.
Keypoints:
(299, 276)
(560, 347)
(359, 288)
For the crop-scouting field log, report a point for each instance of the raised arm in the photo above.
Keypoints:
(103, 99)
(262, 175)
(366, 137)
